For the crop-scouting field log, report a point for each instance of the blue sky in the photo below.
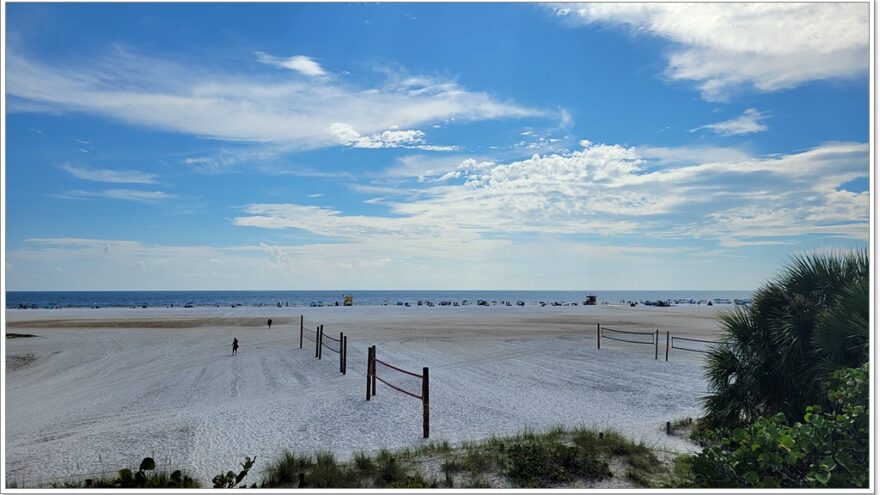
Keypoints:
(431, 146)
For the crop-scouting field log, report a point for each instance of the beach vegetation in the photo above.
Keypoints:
(328, 473)
(530, 459)
(231, 479)
(776, 355)
(820, 450)
(475, 481)
(363, 463)
(390, 471)
(146, 476)
(547, 464)
(789, 384)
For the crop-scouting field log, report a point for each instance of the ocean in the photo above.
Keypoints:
(117, 299)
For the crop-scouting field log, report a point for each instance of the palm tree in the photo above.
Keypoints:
(809, 321)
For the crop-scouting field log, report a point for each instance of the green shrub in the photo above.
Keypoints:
(230, 479)
(139, 479)
(476, 460)
(541, 465)
(826, 450)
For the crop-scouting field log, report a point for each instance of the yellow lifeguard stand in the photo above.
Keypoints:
(347, 300)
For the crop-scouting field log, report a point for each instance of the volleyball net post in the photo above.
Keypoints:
(656, 342)
(424, 396)
(667, 345)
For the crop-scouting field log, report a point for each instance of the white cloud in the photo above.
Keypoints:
(299, 63)
(601, 214)
(346, 134)
(267, 159)
(768, 46)
(98, 264)
(113, 176)
(678, 155)
(279, 255)
(381, 189)
(120, 194)
(609, 190)
(747, 123)
(240, 107)
(423, 165)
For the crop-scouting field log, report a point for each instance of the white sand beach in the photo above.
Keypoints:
(104, 388)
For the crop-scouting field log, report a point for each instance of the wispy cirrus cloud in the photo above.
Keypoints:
(296, 114)
(749, 122)
(299, 63)
(723, 47)
(106, 175)
(677, 155)
(120, 194)
(423, 165)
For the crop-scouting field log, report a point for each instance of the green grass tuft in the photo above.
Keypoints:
(284, 471)
(363, 463)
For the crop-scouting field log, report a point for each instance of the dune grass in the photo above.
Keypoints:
(555, 458)
(530, 459)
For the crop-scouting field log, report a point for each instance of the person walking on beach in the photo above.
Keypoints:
(234, 346)
(270, 323)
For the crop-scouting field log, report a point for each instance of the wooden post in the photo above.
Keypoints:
(656, 343)
(341, 355)
(300, 331)
(668, 428)
(373, 382)
(344, 353)
(425, 408)
(667, 345)
(369, 369)
(598, 335)
(320, 341)
(317, 341)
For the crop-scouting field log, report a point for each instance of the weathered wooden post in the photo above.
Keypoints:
(320, 340)
(317, 341)
(598, 335)
(300, 331)
(425, 408)
(668, 428)
(369, 369)
(373, 381)
(344, 353)
(656, 343)
(667, 345)
(341, 355)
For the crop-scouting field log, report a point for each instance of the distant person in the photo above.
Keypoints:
(234, 346)
(270, 323)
